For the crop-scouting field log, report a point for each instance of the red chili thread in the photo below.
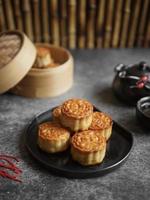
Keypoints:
(12, 168)
(6, 175)
(12, 157)
(7, 163)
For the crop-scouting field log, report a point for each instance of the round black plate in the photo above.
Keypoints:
(118, 149)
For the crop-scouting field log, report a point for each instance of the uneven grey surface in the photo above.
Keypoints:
(93, 77)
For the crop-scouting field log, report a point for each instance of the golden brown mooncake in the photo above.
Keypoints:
(76, 114)
(43, 57)
(88, 147)
(102, 123)
(56, 114)
(53, 138)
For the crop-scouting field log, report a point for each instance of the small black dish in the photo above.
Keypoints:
(143, 111)
(118, 149)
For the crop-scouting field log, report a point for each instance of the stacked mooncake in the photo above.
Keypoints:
(76, 124)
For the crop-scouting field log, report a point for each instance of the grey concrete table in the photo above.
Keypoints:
(93, 77)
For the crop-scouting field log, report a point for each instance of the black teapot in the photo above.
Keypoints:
(132, 82)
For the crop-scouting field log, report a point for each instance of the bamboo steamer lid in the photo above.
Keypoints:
(17, 55)
(48, 82)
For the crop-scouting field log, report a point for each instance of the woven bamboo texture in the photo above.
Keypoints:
(80, 23)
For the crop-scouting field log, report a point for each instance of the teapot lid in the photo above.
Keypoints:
(139, 69)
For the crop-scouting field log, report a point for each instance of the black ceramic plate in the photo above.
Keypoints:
(118, 149)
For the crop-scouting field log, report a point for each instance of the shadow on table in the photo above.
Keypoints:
(107, 96)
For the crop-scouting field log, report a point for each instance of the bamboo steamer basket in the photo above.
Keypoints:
(17, 55)
(48, 82)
